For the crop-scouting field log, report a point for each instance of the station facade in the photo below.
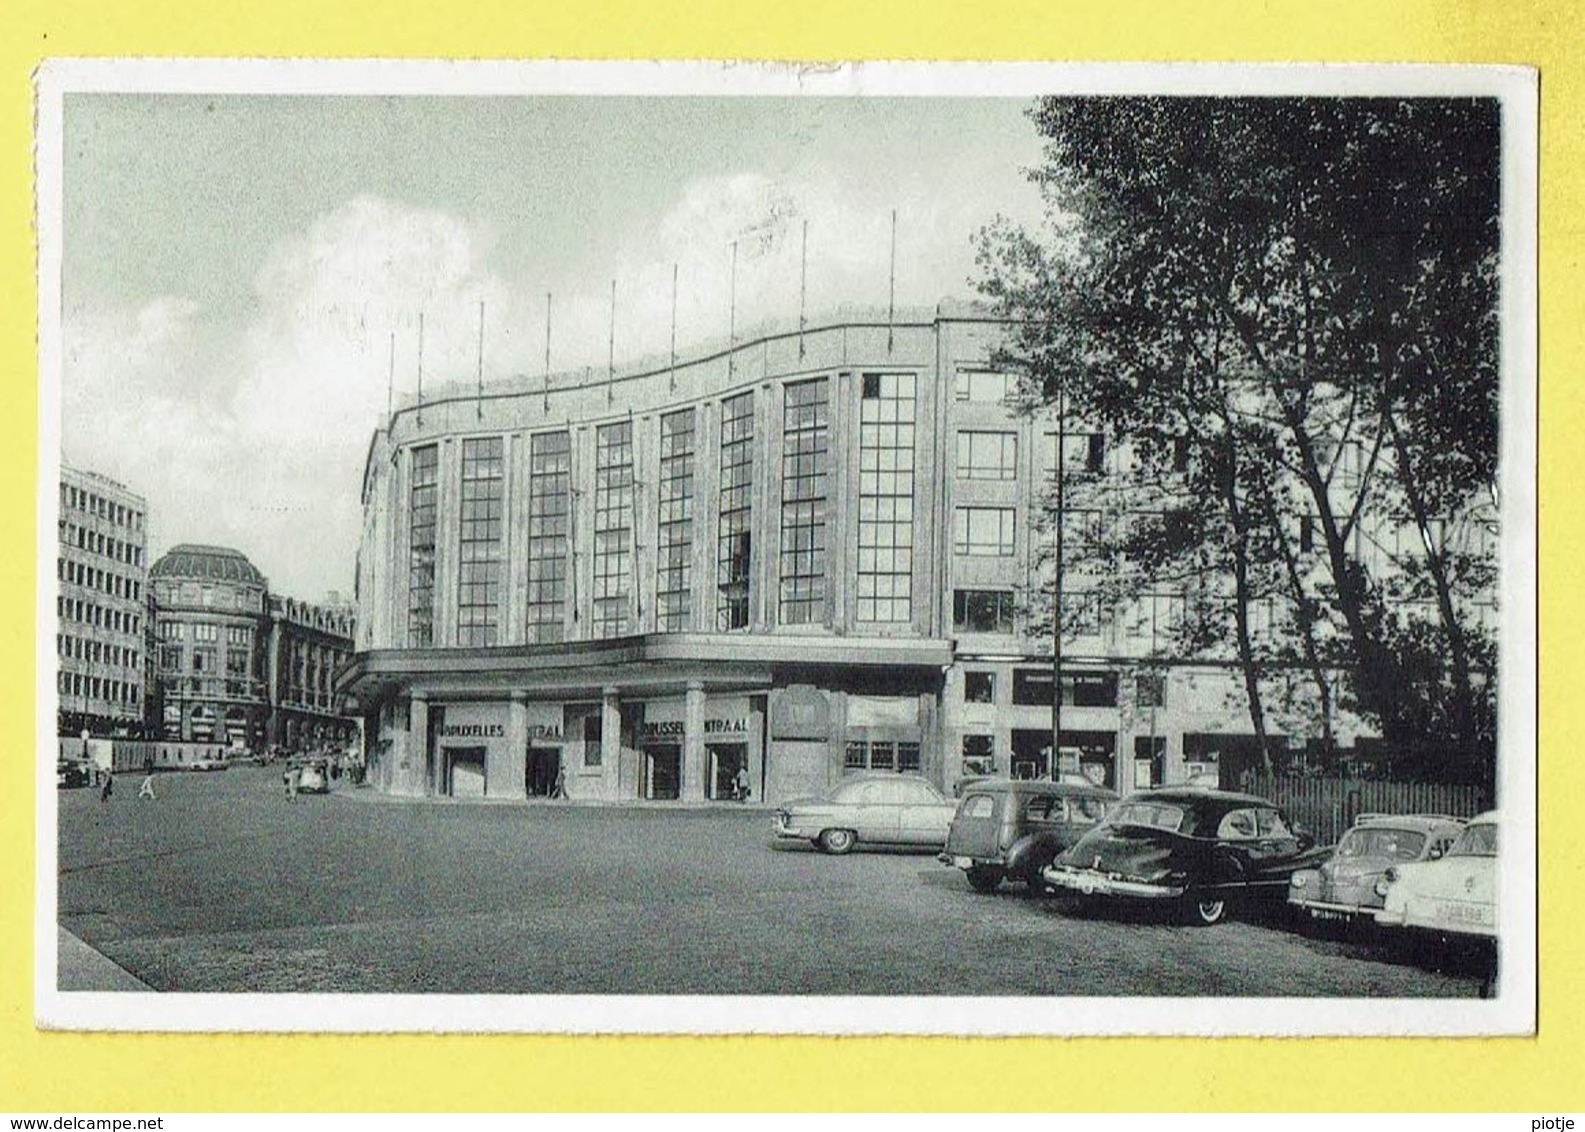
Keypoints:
(812, 553)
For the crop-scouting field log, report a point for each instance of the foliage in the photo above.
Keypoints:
(1285, 311)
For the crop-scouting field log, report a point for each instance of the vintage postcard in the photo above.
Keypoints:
(875, 548)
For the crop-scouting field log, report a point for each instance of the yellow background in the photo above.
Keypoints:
(98, 1072)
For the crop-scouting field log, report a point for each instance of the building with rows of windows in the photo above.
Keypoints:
(101, 605)
(237, 664)
(812, 553)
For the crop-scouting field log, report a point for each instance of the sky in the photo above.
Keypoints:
(236, 268)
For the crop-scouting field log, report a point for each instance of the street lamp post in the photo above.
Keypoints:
(1056, 585)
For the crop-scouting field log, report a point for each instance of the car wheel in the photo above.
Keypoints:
(1205, 911)
(984, 878)
(837, 841)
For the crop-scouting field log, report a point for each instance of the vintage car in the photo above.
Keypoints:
(312, 777)
(209, 764)
(1192, 849)
(1345, 887)
(874, 807)
(1455, 895)
(1014, 828)
(73, 772)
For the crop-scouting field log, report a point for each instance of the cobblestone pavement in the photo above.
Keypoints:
(222, 884)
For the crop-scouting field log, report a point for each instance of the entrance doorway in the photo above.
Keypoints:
(464, 769)
(540, 771)
(1031, 754)
(725, 762)
(663, 772)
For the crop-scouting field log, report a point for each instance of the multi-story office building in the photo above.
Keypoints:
(238, 664)
(809, 554)
(306, 645)
(101, 607)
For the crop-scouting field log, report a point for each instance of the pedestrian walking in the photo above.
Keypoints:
(106, 787)
(558, 789)
(741, 784)
(146, 787)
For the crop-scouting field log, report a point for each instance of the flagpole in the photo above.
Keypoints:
(420, 368)
(891, 285)
(478, 405)
(803, 287)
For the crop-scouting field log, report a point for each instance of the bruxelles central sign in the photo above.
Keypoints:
(472, 731)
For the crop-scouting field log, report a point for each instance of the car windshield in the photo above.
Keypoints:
(1476, 841)
(1157, 814)
(1393, 844)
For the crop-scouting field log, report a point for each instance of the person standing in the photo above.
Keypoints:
(106, 787)
(741, 784)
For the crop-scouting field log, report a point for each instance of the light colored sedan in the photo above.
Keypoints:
(882, 809)
(1456, 895)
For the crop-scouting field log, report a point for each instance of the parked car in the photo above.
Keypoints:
(1454, 895)
(73, 773)
(208, 764)
(1012, 828)
(875, 807)
(1197, 850)
(1345, 886)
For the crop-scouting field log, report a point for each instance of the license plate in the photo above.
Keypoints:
(1468, 915)
(963, 862)
(1087, 885)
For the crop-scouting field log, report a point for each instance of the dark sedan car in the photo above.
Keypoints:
(1198, 850)
(1014, 828)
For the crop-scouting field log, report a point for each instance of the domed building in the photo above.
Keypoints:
(237, 664)
(210, 604)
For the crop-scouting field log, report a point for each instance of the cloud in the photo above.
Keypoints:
(253, 435)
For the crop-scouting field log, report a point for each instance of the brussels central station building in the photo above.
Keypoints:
(809, 554)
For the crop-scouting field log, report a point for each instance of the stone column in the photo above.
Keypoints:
(508, 779)
(415, 778)
(693, 752)
(611, 739)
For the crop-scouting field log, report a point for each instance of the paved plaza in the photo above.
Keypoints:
(222, 884)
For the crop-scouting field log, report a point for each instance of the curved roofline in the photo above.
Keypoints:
(655, 369)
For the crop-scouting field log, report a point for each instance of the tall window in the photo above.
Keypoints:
(984, 387)
(988, 455)
(983, 531)
(674, 523)
(479, 568)
(805, 429)
(886, 497)
(982, 611)
(613, 526)
(733, 551)
(549, 490)
(421, 543)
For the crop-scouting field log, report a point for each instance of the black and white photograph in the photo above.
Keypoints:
(705, 547)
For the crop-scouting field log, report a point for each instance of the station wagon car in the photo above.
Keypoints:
(1012, 829)
(877, 808)
(1345, 887)
(1454, 895)
(1192, 849)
